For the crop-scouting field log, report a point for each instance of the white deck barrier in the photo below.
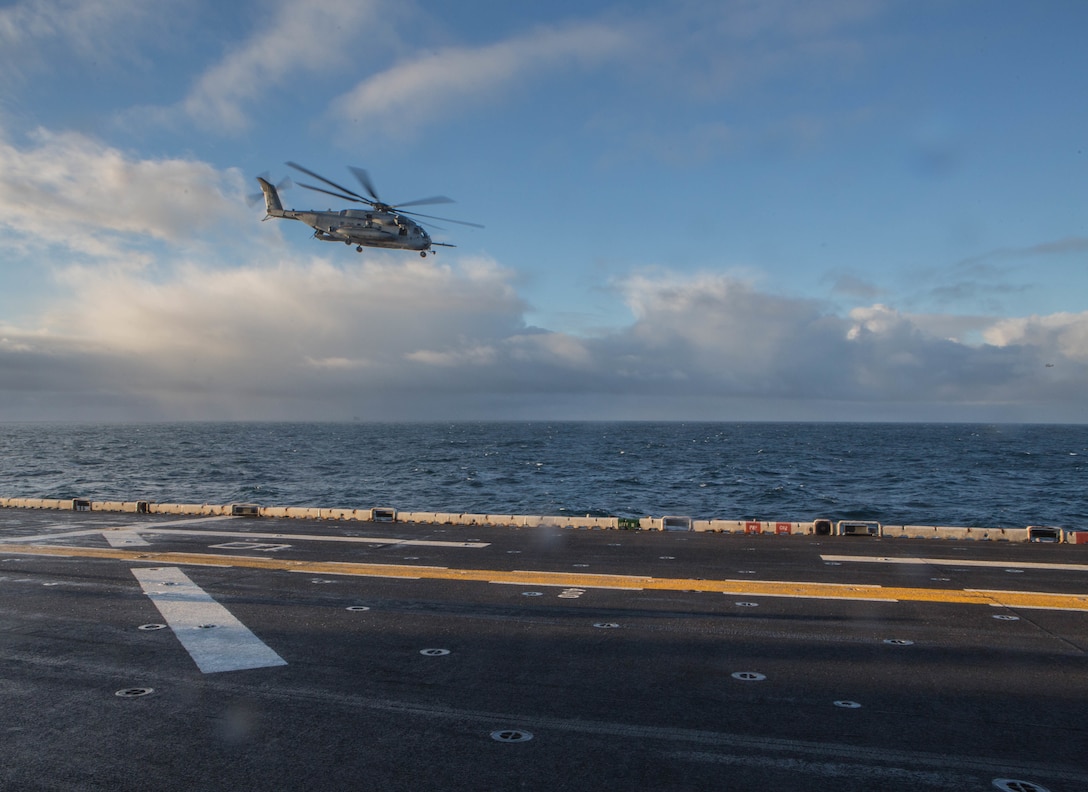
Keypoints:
(817, 527)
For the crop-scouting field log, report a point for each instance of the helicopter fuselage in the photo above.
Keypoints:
(379, 225)
(368, 228)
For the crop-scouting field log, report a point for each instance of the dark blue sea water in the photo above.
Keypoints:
(957, 474)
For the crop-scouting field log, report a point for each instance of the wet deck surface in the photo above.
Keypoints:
(286, 654)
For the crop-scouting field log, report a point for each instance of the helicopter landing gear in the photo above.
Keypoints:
(358, 248)
(423, 253)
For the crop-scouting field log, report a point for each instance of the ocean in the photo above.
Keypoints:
(991, 476)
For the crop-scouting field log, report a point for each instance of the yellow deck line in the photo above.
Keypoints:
(751, 588)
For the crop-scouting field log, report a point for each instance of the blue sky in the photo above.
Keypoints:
(694, 210)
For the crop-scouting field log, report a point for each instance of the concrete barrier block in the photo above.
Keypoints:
(603, 523)
(274, 511)
(303, 513)
(501, 519)
(181, 508)
(725, 526)
(579, 522)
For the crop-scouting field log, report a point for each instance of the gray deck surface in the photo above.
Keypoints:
(910, 686)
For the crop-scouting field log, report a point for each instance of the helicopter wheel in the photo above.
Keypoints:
(359, 249)
(423, 253)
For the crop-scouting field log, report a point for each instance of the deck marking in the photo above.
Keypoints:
(119, 537)
(133, 527)
(212, 635)
(312, 537)
(957, 562)
(50, 537)
(780, 588)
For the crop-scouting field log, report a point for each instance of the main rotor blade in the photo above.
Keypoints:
(336, 195)
(364, 179)
(434, 199)
(443, 219)
(329, 182)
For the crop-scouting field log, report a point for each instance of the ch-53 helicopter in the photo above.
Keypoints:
(380, 225)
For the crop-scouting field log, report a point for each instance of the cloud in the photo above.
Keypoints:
(738, 45)
(72, 190)
(389, 339)
(403, 98)
(678, 52)
(1058, 247)
(33, 29)
(300, 39)
(1061, 335)
(270, 322)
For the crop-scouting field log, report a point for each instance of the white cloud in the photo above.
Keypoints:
(72, 190)
(389, 337)
(1061, 335)
(301, 39)
(275, 319)
(33, 29)
(404, 97)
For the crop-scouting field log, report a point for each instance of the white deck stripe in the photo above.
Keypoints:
(957, 562)
(313, 537)
(122, 538)
(50, 536)
(214, 638)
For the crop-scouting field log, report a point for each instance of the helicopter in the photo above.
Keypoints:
(380, 225)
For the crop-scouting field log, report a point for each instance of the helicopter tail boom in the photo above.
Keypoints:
(271, 199)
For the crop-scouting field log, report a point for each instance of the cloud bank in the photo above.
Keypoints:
(387, 339)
